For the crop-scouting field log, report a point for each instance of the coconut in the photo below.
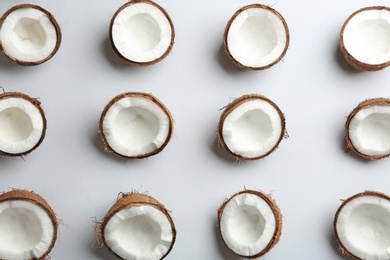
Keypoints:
(28, 226)
(250, 223)
(365, 38)
(362, 226)
(138, 227)
(367, 130)
(135, 125)
(22, 124)
(142, 33)
(256, 37)
(29, 34)
(251, 127)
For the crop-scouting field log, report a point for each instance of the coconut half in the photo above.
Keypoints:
(28, 226)
(251, 127)
(256, 37)
(365, 38)
(138, 227)
(367, 130)
(250, 223)
(22, 124)
(362, 226)
(29, 34)
(135, 125)
(142, 33)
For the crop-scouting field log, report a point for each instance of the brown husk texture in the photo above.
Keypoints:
(225, 43)
(348, 57)
(342, 248)
(233, 105)
(278, 220)
(365, 104)
(51, 18)
(140, 95)
(37, 104)
(135, 63)
(32, 197)
(135, 199)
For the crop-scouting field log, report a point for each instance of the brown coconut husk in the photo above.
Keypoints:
(227, 28)
(135, 199)
(233, 105)
(135, 63)
(278, 220)
(36, 103)
(342, 248)
(51, 18)
(32, 197)
(140, 95)
(348, 57)
(365, 104)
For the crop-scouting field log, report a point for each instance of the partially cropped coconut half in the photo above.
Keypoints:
(251, 127)
(29, 34)
(250, 223)
(22, 124)
(138, 227)
(362, 226)
(142, 33)
(135, 125)
(367, 130)
(28, 226)
(365, 38)
(256, 37)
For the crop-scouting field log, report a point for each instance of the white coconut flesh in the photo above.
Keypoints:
(135, 126)
(369, 131)
(367, 36)
(21, 125)
(141, 232)
(252, 129)
(363, 227)
(247, 224)
(26, 230)
(141, 32)
(257, 37)
(27, 34)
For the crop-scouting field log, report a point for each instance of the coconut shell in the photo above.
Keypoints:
(348, 57)
(135, 63)
(365, 104)
(134, 199)
(342, 248)
(275, 210)
(36, 103)
(51, 18)
(227, 28)
(232, 106)
(39, 201)
(140, 95)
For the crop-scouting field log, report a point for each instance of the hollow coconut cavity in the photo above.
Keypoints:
(251, 127)
(256, 37)
(29, 34)
(362, 226)
(138, 227)
(365, 38)
(142, 33)
(367, 130)
(22, 124)
(250, 223)
(135, 125)
(28, 226)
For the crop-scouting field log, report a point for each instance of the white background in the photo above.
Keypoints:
(307, 175)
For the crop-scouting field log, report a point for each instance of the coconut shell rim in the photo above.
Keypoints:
(52, 20)
(136, 63)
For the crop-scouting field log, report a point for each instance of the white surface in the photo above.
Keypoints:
(307, 175)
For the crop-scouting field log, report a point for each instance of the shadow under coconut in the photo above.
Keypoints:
(333, 243)
(343, 64)
(226, 63)
(98, 143)
(100, 251)
(7, 64)
(348, 152)
(221, 152)
(223, 250)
